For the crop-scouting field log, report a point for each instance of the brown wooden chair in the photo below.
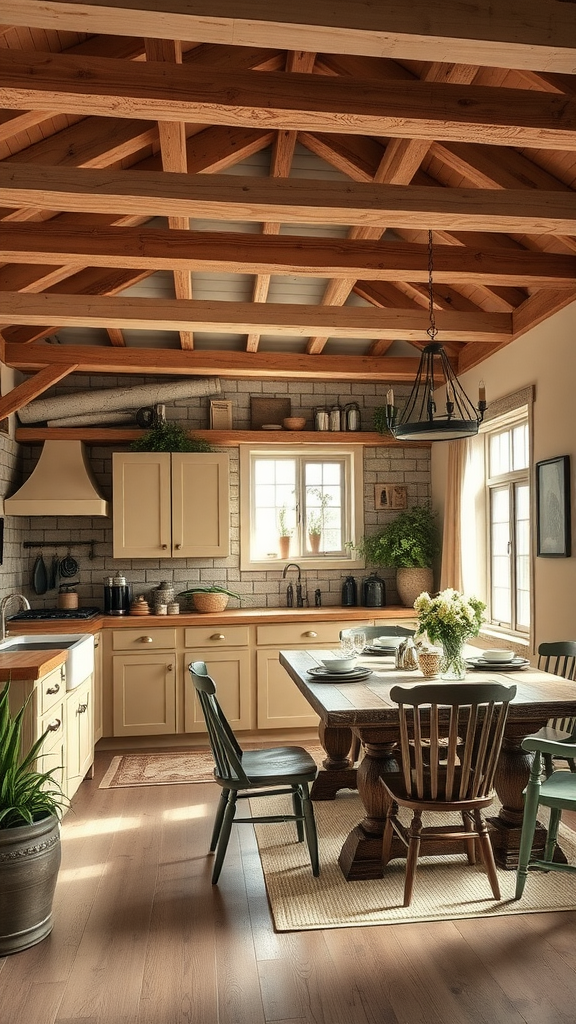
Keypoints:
(559, 657)
(450, 740)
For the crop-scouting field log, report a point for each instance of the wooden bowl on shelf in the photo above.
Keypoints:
(294, 423)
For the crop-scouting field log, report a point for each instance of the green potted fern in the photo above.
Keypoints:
(31, 804)
(409, 543)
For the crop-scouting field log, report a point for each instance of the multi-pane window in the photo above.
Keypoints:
(309, 496)
(509, 526)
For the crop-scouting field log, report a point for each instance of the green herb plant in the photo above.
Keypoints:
(283, 529)
(317, 518)
(26, 795)
(411, 540)
(169, 437)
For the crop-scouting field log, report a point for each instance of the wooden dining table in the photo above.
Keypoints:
(363, 709)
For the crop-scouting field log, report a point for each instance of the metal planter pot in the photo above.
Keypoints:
(29, 864)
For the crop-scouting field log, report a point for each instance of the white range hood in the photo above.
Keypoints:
(61, 484)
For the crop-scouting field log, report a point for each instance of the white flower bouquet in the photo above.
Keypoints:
(449, 619)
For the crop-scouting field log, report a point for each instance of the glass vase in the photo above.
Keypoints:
(452, 664)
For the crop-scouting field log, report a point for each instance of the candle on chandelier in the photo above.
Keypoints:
(390, 396)
(481, 392)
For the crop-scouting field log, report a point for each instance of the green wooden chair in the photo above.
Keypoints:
(453, 774)
(560, 658)
(251, 774)
(557, 791)
(372, 632)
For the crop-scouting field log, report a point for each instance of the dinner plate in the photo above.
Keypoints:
(380, 651)
(516, 665)
(323, 675)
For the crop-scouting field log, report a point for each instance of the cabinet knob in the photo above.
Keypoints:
(53, 689)
(310, 633)
(178, 546)
(170, 668)
(217, 636)
(54, 726)
(164, 547)
(82, 708)
(145, 640)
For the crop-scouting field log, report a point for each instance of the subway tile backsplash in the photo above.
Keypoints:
(409, 466)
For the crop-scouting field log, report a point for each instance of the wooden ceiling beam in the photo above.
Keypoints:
(235, 252)
(105, 359)
(34, 386)
(534, 34)
(107, 87)
(294, 200)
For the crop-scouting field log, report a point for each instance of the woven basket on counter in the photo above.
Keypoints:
(209, 602)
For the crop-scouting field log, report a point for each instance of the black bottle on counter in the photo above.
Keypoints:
(373, 591)
(349, 593)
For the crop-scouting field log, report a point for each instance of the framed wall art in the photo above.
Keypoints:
(553, 527)
(389, 496)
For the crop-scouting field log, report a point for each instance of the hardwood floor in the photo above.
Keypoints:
(142, 937)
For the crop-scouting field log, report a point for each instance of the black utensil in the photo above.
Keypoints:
(54, 573)
(39, 576)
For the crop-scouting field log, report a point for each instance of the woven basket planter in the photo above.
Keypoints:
(410, 583)
(209, 602)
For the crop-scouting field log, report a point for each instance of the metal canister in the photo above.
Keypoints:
(321, 419)
(352, 416)
(335, 417)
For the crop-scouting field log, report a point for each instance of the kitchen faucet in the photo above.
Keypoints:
(299, 598)
(25, 603)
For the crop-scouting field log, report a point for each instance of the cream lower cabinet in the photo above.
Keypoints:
(280, 705)
(170, 505)
(144, 694)
(97, 689)
(227, 657)
(79, 734)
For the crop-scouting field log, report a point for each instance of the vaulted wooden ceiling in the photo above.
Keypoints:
(250, 193)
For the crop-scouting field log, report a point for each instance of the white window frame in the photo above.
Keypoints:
(353, 497)
(499, 425)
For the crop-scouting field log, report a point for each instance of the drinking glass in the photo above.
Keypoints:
(347, 646)
(359, 640)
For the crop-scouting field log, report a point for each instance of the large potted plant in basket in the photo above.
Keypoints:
(409, 543)
(31, 803)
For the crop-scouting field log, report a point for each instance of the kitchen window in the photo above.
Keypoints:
(509, 532)
(312, 496)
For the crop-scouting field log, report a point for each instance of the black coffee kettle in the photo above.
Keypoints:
(373, 591)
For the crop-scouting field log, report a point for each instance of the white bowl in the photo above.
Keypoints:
(387, 641)
(339, 664)
(498, 655)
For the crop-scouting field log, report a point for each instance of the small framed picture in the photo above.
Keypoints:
(389, 496)
(553, 528)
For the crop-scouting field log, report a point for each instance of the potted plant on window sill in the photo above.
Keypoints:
(31, 805)
(409, 543)
(317, 518)
(284, 532)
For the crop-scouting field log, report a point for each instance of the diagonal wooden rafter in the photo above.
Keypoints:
(413, 109)
(34, 386)
(532, 34)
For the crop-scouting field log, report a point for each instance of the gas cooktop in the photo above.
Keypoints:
(56, 613)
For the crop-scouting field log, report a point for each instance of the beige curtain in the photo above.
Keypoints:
(451, 568)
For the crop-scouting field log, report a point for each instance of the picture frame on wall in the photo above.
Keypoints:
(390, 496)
(553, 525)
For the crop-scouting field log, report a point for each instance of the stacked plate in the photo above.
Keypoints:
(323, 675)
(383, 645)
(485, 664)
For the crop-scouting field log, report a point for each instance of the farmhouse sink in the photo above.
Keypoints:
(80, 646)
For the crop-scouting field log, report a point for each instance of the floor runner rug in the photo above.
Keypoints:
(446, 887)
(169, 768)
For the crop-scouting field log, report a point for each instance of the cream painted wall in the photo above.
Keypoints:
(545, 357)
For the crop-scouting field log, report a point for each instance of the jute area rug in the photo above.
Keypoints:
(170, 768)
(445, 888)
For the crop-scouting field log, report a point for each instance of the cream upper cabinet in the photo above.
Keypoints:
(170, 505)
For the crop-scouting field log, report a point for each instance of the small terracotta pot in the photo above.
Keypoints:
(284, 546)
(314, 542)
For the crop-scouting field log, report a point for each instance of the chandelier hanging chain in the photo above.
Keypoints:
(432, 330)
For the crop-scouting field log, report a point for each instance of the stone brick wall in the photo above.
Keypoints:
(409, 466)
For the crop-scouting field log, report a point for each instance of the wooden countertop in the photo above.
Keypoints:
(29, 664)
(231, 616)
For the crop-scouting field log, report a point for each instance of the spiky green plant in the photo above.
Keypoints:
(169, 437)
(204, 589)
(26, 795)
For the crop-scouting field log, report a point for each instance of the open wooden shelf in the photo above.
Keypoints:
(124, 435)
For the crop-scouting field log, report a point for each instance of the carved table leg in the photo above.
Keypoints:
(338, 771)
(361, 854)
(511, 777)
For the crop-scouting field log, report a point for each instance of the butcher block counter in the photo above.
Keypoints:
(29, 664)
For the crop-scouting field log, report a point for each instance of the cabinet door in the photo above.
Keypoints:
(97, 689)
(79, 734)
(141, 505)
(200, 505)
(280, 703)
(230, 671)
(144, 694)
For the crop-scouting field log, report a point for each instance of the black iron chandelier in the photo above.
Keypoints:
(421, 419)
